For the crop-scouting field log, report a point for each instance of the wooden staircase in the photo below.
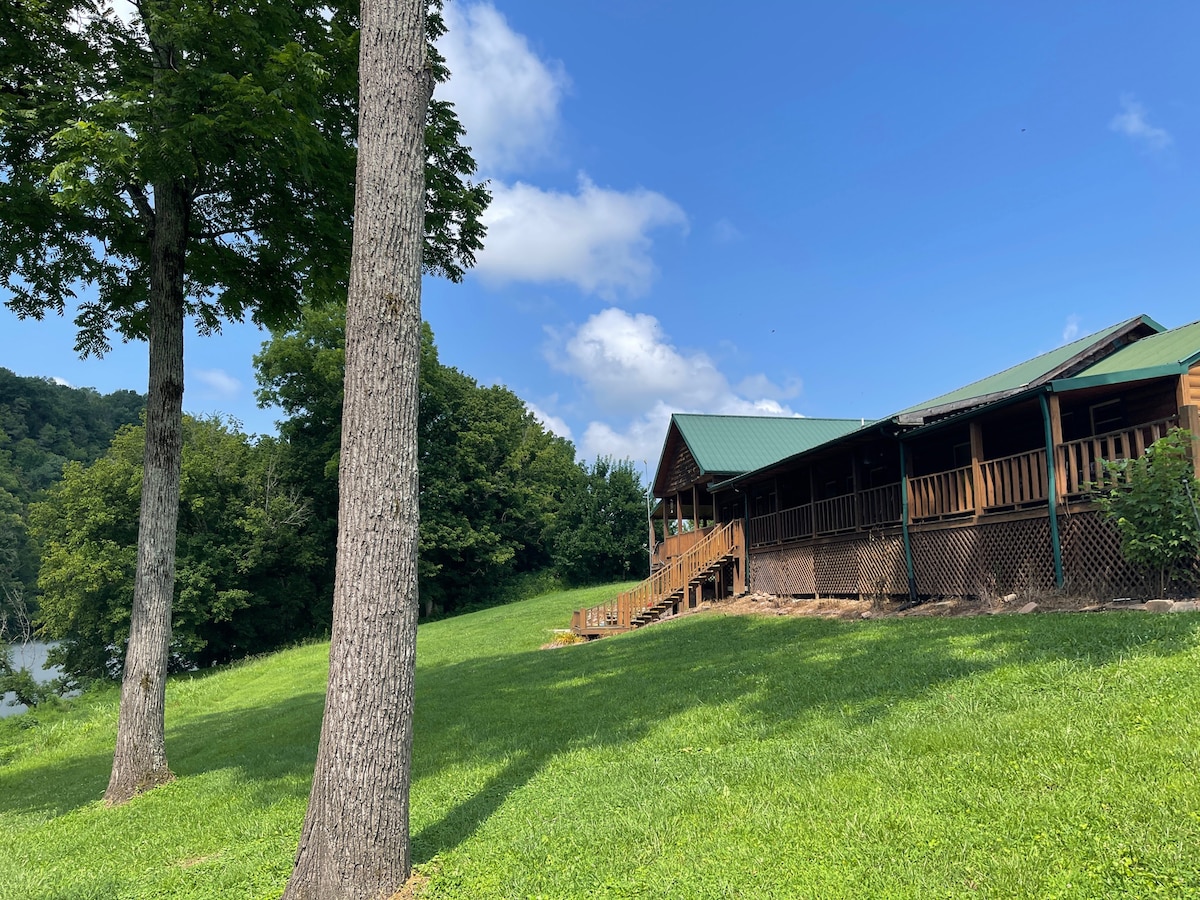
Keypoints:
(675, 583)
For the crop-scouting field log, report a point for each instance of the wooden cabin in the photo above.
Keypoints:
(981, 491)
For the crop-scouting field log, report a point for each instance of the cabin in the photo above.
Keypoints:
(983, 491)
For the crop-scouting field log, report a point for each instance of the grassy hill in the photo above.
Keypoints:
(713, 756)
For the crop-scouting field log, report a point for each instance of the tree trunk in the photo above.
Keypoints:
(140, 760)
(355, 840)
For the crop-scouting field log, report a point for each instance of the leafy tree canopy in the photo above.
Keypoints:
(245, 553)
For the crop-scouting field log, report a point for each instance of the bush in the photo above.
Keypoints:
(1153, 506)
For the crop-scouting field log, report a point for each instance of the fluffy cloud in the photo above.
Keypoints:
(596, 239)
(630, 368)
(506, 97)
(218, 381)
(550, 422)
(1132, 122)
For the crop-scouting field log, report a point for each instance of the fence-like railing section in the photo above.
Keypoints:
(674, 577)
(834, 515)
(1082, 461)
(879, 506)
(866, 509)
(949, 493)
(1014, 480)
(678, 544)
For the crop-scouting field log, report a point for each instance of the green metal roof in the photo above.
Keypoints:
(1178, 347)
(1027, 373)
(730, 444)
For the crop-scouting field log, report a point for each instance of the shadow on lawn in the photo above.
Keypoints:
(268, 744)
(518, 712)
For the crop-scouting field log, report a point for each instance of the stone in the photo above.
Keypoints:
(1008, 598)
(1159, 606)
(1028, 607)
(865, 615)
(1185, 606)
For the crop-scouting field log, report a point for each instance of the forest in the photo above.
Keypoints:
(506, 510)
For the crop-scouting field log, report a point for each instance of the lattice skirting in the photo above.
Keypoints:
(987, 559)
(858, 565)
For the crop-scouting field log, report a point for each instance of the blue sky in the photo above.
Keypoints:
(815, 209)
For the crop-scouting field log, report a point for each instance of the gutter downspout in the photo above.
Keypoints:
(908, 557)
(1052, 491)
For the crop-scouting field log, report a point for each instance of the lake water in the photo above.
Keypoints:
(31, 656)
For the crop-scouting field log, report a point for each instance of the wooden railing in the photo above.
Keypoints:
(619, 613)
(677, 544)
(949, 493)
(1081, 461)
(834, 515)
(1014, 480)
(879, 506)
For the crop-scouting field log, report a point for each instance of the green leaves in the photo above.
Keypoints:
(1152, 506)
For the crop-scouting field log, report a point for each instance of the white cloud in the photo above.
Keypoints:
(630, 368)
(218, 381)
(597, 239)
(725, 232)
(1132, 122)
(506, 97)
(1071, 329)
(550, 422)
(61, 381)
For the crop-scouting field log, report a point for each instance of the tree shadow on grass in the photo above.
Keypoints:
(268, 745)
(513, 714)
(517, 713)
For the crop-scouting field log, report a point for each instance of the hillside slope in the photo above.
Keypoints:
(713, 756)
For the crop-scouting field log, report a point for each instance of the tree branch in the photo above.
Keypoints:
(141, 202)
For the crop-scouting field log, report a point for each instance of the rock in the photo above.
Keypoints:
(1185, 606)
(1008, 598)
(1160, 605)
(1095, 608)
(1028, 607)
(865, 615)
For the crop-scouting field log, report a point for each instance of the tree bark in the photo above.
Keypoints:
(140, 760)
(355, 838)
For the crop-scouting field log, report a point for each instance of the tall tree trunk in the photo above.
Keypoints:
(140, 761)
(355, 840)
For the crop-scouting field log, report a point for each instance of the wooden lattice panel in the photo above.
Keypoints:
(941, 560)
(881, 568)
(837, 568)
(1093, 562)
(782, 572)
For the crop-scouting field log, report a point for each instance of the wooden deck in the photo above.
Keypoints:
(675, 583)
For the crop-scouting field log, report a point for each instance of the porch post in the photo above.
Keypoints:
(908, 557)
(977, 488)
(695, 509)
(1058, 484)
(678, 513)
(1051, 479)
(1189, 418)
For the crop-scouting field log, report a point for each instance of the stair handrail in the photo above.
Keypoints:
(672, 577)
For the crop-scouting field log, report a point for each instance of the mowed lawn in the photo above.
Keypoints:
(1044, 756)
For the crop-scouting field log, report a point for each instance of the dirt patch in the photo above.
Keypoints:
(413, 888)
(757, 604)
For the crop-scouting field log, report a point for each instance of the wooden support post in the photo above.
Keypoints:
(977, 486)
(695, 509)
(678, 513)
(1056, 439)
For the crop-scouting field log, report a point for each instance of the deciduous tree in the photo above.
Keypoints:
(195, 161)
(355, 840)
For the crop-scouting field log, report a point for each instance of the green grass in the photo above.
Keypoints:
(714, 756)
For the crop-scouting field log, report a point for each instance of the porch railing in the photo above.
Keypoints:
(677, 544)
(1014, 480)
(620, 613)
(834, 515)
(1082, 461)
(950, 493)
(879, 506)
